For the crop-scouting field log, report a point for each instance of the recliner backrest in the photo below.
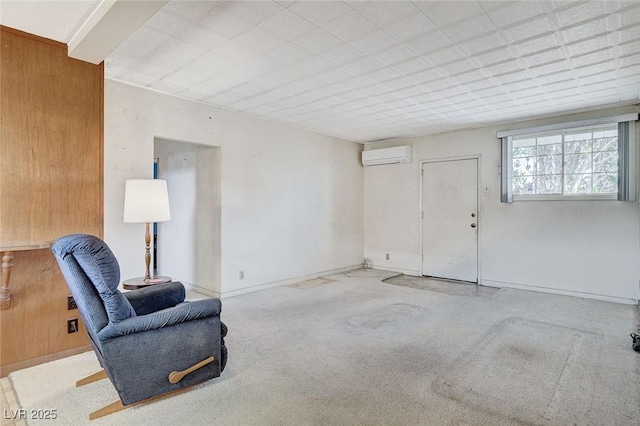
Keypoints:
(92, 273)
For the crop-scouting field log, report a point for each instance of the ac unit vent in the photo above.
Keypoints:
(397, 154)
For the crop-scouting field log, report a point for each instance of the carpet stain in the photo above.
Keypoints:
(456, 288)
(523, 370)
(311, 283)
(390, 318)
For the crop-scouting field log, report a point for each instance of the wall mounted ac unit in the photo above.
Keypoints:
(397, 154)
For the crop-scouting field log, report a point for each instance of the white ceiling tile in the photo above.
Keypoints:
(427, 75)
(317, 41)
(175, 54)
(550, 68)
(587, 30)
(289, 53)
(287, 24)
(350, 26)
(593, 44)
(446, 55)
(399, 83)
(445, 12)
(411, 66)
(209, 64)
(429, 43)
(143, 73)
(260, 39)
(394, 55)
(384, 13)
(342, 53)
(439, 84)
(374, 42)
(552, 78)
(539, 43)
(320, 12)
(253, 11)
(471, 76)
(236, 51)
(410, 27)
(381, 75)
(190, 10)
(201, 37)
(476, 27)
(485, 43)
(509, 13)
(338, 74)
(373, 90)
(503, 67)
(224, 23)
(528, 30)
(363, 65)
(604, 55)
(517, 76)
(356, 83)
(581, 12)
(462, 66)
(168, 23)
(314, 64)
(552, 55)
(142, 43)
(630, 60)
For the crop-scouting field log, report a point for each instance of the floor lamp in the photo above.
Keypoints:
(146, 201)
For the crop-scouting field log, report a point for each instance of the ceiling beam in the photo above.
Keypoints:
(110, 24)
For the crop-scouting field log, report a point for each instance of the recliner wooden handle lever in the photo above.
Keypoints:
(176, 376)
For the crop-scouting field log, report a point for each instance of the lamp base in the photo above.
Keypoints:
(140, 282)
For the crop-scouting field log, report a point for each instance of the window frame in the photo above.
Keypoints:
(563, 196)
(626, 124)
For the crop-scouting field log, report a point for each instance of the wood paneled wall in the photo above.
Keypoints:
(51, 184)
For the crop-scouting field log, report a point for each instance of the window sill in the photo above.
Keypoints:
(584, 197)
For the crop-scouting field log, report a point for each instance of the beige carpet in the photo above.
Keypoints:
(352, 349)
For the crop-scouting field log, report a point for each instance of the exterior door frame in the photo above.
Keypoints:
(480, 217)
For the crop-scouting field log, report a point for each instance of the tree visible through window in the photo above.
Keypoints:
(569, 163)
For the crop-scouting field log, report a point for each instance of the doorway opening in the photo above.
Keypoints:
(189, 245)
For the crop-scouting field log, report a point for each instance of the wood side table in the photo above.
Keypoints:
(140, 282)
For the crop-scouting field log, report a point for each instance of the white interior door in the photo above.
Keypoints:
(450, 219)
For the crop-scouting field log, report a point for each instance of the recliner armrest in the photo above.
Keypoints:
(157, 297)
(183, 312)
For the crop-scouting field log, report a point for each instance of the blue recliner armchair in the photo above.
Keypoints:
(149, 341)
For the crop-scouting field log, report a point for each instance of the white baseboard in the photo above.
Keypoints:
(200, 290)
(501, 284)
(226, 294)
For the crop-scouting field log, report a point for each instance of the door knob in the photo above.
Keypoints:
(473, 225)
(473, 215)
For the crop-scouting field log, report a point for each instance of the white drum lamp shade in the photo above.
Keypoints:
(146, 201)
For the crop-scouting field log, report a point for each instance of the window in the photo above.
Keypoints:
(590, 159)
(581, 162)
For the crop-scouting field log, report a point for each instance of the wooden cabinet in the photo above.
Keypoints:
(51, 184)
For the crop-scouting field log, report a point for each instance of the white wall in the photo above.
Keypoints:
(587, 248)
(291, 200)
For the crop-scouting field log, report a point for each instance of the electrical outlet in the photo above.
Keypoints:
(72, 326)
(241, 275)
(71, 303)
(387, 256)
